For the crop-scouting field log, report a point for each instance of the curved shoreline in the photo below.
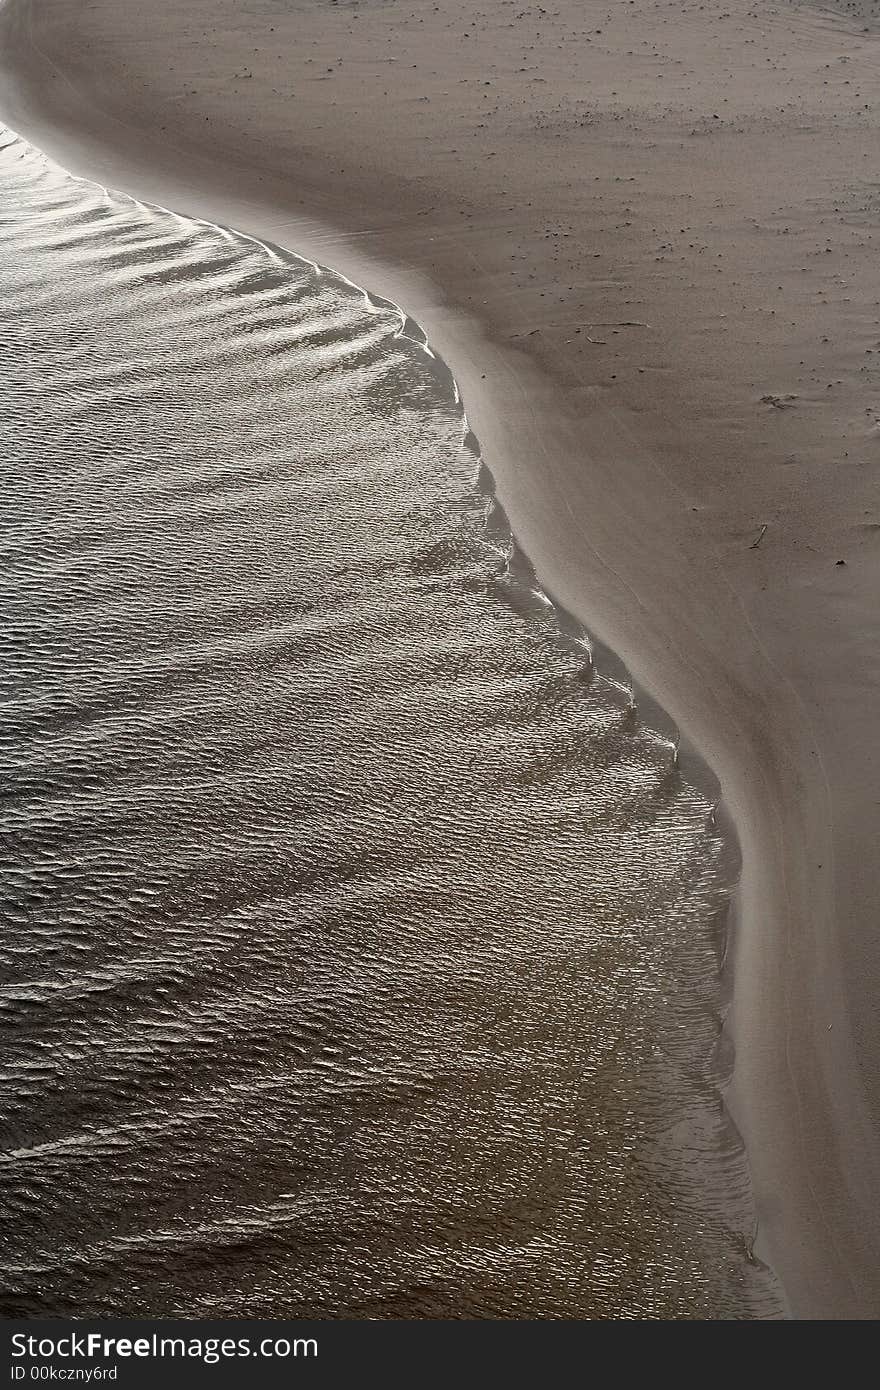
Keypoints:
(471, 576)
(592, 549)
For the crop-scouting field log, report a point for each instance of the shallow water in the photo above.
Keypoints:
(361, 946)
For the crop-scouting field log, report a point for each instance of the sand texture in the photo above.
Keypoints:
(644, 236)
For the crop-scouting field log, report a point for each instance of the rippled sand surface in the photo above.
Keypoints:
(360, 944)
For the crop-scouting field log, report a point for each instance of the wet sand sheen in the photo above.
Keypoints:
(337, 872)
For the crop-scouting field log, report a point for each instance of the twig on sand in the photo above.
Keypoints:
(615, 323)
(761, 534)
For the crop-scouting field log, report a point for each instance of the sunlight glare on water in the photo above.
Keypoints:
(360, 944)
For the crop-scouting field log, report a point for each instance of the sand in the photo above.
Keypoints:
(643, 235)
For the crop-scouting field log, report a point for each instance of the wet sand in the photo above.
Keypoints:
(643, 238)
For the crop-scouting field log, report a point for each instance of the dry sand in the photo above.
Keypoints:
(644, 235)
